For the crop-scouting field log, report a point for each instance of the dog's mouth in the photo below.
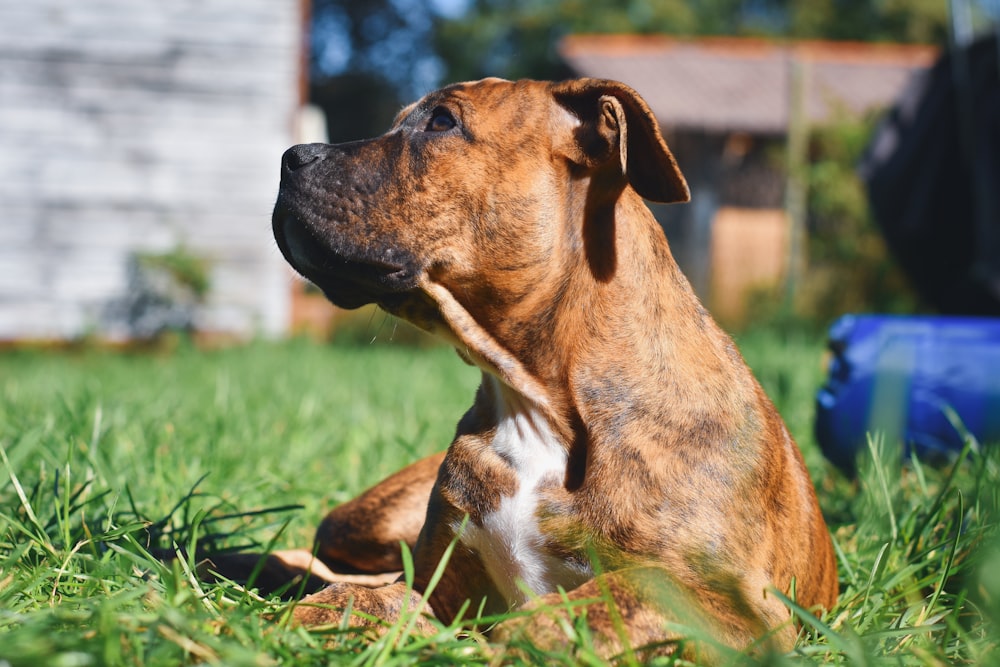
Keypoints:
(349, 277)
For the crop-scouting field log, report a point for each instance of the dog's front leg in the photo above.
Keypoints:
(641, 610)
(377, 608)
(364, 534)
(358, 542)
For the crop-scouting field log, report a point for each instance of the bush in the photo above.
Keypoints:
(850, 269)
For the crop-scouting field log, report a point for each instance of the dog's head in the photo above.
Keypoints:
(473, 188)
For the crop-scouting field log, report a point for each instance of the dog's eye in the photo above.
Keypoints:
(441, 121)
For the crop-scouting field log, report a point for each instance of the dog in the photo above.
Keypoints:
(619, 454)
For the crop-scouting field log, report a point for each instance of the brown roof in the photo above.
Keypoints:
(741, 84)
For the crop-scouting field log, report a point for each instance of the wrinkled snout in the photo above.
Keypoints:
(324, 224)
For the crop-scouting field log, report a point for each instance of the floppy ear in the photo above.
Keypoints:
(616, 124)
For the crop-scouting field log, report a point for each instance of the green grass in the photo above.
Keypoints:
(107, 457)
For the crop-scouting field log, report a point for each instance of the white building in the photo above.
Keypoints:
(131, 127)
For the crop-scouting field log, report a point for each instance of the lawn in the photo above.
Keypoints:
(106, 457)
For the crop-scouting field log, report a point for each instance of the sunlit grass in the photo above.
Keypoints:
(109, 458)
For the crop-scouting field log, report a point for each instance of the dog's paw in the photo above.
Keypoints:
(376, 608)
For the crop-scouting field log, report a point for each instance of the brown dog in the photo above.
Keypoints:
(618, 447)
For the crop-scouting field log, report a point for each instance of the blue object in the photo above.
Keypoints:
(901, 376)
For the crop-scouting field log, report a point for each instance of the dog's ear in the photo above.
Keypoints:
(616, 124)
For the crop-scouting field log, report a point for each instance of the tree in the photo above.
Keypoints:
(367, 59)
(516, 38)
(850, 268)
(386, 39)
(519, 38)
(868, 20)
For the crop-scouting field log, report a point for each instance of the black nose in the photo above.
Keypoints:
(299, 156)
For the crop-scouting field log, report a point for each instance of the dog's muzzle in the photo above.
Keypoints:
(319, 231)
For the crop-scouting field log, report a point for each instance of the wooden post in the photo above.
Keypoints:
(796, 184)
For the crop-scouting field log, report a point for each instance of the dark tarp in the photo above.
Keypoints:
(933, 176)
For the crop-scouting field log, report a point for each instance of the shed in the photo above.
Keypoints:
(142, 129)
(724, 105)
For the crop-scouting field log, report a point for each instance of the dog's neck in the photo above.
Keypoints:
(613, 271)
(533, 365)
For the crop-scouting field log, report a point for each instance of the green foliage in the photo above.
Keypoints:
(867, 20)
(188, 270)
(849, 266)
(108, 458)
(164, 292)
(518, 38)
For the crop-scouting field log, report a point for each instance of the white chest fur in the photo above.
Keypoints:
(509, 541)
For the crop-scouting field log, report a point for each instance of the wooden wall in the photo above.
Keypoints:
(142, 125)
(749, 252)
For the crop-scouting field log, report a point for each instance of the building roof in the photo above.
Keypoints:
(742, 84)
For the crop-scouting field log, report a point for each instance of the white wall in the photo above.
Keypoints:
(138, 125)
